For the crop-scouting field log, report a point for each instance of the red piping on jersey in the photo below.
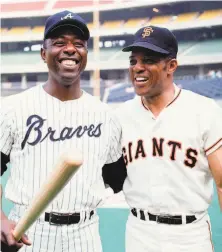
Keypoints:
(167, 105)
(174, 98)
(213, 145)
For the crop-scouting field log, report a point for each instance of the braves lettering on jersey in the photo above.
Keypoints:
(166, 157)
(37, 127)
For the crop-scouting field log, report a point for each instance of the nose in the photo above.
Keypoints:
(69, 49)
(139, 67)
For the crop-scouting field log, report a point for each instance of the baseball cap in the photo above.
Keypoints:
(66, 18)
(157, 39)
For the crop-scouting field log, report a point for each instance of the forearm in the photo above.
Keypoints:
(3, 216)
(219, 193)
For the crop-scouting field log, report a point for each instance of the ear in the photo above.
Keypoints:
(43, 54)
(172, 66)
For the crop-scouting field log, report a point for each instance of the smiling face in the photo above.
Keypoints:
(150, 72)
(65, 53)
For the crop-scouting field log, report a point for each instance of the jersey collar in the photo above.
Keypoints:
(176, 95)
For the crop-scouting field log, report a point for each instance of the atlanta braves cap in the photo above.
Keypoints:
(66, 18)
(156, 39)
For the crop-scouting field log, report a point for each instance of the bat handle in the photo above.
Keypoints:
(17, 233)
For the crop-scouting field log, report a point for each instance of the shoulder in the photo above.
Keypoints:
(197, 101)
(127, 107)
(16, 99)
(95, 104)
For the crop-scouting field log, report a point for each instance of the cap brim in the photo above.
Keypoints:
(146, 46)
(73, 23)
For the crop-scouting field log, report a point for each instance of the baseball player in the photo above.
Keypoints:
(172, 145)
(38, 124)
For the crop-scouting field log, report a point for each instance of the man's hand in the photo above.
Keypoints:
(8, 242)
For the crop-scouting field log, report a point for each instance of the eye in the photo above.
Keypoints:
(59, 43)
(149, 61)
(79, 44)
(132, 62)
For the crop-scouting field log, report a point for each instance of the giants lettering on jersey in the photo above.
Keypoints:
(136, 150)
(36, 123)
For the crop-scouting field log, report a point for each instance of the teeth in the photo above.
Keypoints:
(68, 62)
(141, 79)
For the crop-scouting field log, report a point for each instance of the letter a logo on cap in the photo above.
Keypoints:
(147, 31)
(67, 16)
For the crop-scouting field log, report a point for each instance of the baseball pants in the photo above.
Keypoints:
(81, 237)
(150, 236)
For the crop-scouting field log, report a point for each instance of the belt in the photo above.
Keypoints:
(165, 219)
(64, 219)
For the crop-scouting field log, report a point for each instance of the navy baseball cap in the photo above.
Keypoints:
(156, 39)
(66, 18)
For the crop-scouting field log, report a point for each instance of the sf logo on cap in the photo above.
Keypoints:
(67, 16)
(146, 32)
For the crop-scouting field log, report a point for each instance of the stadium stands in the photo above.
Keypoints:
(210, 14)
(211, 88)
(130, 23)
(38, 29)
(18, 31)
(186, 48)
(20, 58)
(135, 22)
(186, 17)
(159, 20)
(112, 24)
(206, 47)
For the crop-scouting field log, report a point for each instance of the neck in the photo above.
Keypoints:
(62, 92)
(157, 103)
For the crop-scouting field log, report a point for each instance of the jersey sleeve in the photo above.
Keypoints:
(6, 126)
(213, 132)
(115, 149)
(114, 171)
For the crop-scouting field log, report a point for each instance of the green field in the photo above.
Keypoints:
(113, 220)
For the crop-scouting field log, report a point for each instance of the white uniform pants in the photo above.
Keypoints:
(81, 237)
(150, 236)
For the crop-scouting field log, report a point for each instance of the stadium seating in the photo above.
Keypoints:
(112, 24)
(38, 29)
(106, 54)
(210, 14)
(135, 22)
(19, 58)
(18, 31)
(3, 30)
(186, 17)
(130, 23)
(206, 47)
(183, 46)
(159, 20)
(211, 88)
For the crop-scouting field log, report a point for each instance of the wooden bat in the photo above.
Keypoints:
(65, 168)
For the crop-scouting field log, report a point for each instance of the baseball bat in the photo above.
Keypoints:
(65, 168)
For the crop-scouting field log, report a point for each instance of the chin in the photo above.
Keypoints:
(68, 80)
(140, 92)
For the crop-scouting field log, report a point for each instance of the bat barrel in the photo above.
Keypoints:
(66, 167)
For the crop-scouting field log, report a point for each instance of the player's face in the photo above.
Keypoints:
(149, 72)
(65, 53)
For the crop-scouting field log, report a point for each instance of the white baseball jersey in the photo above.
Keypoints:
(166, 157)
(36, 127)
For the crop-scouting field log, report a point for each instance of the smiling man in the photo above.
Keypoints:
(41, 123)
(172, 146)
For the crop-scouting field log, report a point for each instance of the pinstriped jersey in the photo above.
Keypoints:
(166, 156)
(36, 127)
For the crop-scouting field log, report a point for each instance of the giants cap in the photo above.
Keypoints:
(156, 39)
